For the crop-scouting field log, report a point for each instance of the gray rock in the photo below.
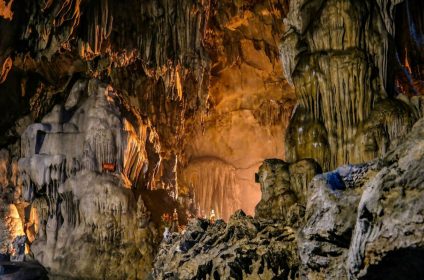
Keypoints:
(382, 238)
(330, 218)
(388, 239)
(244, 248)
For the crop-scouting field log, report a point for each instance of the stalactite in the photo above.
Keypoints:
(215, 187)
(336, 76)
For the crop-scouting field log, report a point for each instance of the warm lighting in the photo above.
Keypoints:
(406, 64)
(6, 9)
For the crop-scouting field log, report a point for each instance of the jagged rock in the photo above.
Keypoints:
(388, 239)
(18, 248)
(213, 102)
(330, 219)
(244, 248)
(337, 239)
(11, 227)
(11, 205)
(380, 238)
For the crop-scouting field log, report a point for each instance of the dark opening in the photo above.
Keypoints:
(400, 264)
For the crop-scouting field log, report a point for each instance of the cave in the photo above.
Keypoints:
(211, 139)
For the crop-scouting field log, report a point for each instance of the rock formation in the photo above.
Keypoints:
(114, 113)
(330, 219)
(78, 168)
(361, 222)
(337, 54)
(284, 188)
(242, 249)
(388, 227)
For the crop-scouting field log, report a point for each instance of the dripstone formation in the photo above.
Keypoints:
(340, 57)
(211, 139)
(78, 167)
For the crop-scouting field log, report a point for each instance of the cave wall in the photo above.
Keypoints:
(77, 171)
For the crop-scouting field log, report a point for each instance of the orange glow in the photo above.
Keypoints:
(179, 86)
(7, 65)
(406, 64)
(6, 9)
(111, 167)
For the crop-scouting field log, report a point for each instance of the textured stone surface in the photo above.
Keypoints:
(364, 221)
(388, 239)
(330, 219)
(84, 218)
(249, 106)
(204, 74)
(284, 188)
(361, 222)
(244, 248)
(346, 100)
(196, 98)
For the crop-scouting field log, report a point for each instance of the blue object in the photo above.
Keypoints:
(334, 181)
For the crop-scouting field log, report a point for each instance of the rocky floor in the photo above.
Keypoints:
(243, 248)
(361, 222)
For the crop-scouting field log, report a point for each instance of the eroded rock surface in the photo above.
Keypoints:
(388, 240)
(213, 101)
(244, 248)
(330, 219)
(337, 54)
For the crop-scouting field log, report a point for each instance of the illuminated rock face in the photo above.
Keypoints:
(249, 106)
(78, 167)
(336, 53)
(11, 207)
(215, 100)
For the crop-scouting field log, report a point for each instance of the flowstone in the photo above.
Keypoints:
(78, 167)
(336, 55)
